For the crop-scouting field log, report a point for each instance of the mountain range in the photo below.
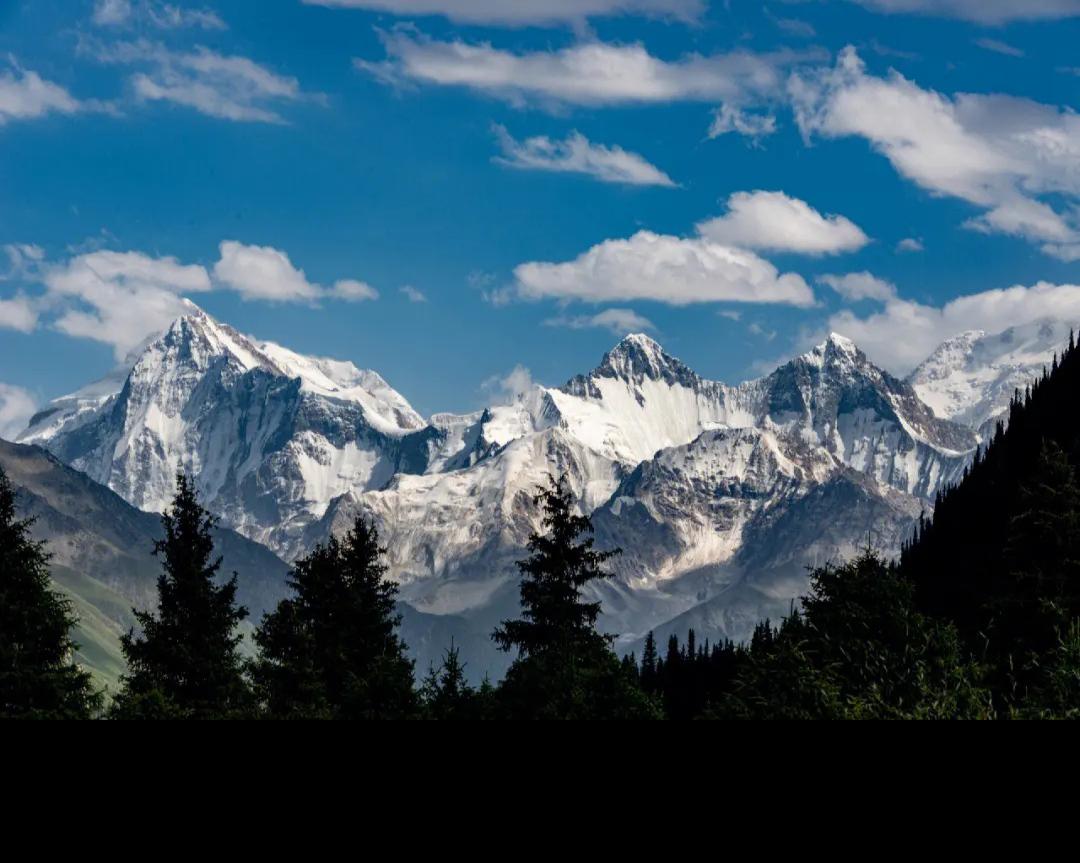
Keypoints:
(719, 496)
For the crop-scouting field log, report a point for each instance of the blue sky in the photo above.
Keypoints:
(442, 190)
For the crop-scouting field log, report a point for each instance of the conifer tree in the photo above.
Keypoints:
(333, 650)
(446, 694)
(185, 663)
(38, 677)
(858, 649)
(565, 668)
(1033, 606)
(648, 664)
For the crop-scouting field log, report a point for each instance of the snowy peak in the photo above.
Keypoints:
(971, 377)
(638, 358)
(837, 352)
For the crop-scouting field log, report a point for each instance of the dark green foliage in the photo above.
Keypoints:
(691, 679)
(446, 694)
(38, 677)
(1054, 692)
(1001, 557)
(860, 650)
(565, 668)
(185, 664)
(332, 650)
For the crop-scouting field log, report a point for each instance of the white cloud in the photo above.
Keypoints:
(517, 13)
(16, 408)
(666, 269)
(576, 154)
(23, 259)
(904, 333)
(997, 152)
(19, 313)
(353, 291)
(911, 244)
(25, 95)
(860, 286)
(618, 321)
(120, 298)
(999, 47)
(414, 295)
(227, 87)
(982, 11)
(266, 273)
(510, 388)
(263, 273)
(587, 73)
(728, 118)
(164, 16)
(774, 221)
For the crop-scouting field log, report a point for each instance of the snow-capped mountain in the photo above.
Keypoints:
(678, 471)
(270, 436)
(719, 495)
(972, 377)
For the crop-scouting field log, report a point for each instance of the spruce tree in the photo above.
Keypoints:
(446, 694)
(185, 664)
(1032, 608)
(38, 678)
(649, 659)
(565, 668)
(333, 650)
(859, 649)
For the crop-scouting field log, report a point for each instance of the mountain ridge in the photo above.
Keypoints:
(699, 481)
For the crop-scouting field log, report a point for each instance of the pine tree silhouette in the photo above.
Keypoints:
(185, 663)
(333, 650)
(38, 677)
(565, 668)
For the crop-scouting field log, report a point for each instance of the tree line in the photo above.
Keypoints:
(979, 618)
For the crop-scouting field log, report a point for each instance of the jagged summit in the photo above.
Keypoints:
(835, 348)
(637, 358)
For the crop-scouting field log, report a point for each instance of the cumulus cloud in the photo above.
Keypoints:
(223, 86)
(777, 222)
(860, 286)
(576, 154)
(666, 269)
(996, 152)
(25, 95)
(16, 407)
(618, 321)
(164, 16)
(911, 244)
(120, 298)
(266, 273)
(904, 333)
(982, 11)
(18, 313)
(588, 73)
(519, 13)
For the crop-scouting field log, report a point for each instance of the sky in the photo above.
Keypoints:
(466, 195)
